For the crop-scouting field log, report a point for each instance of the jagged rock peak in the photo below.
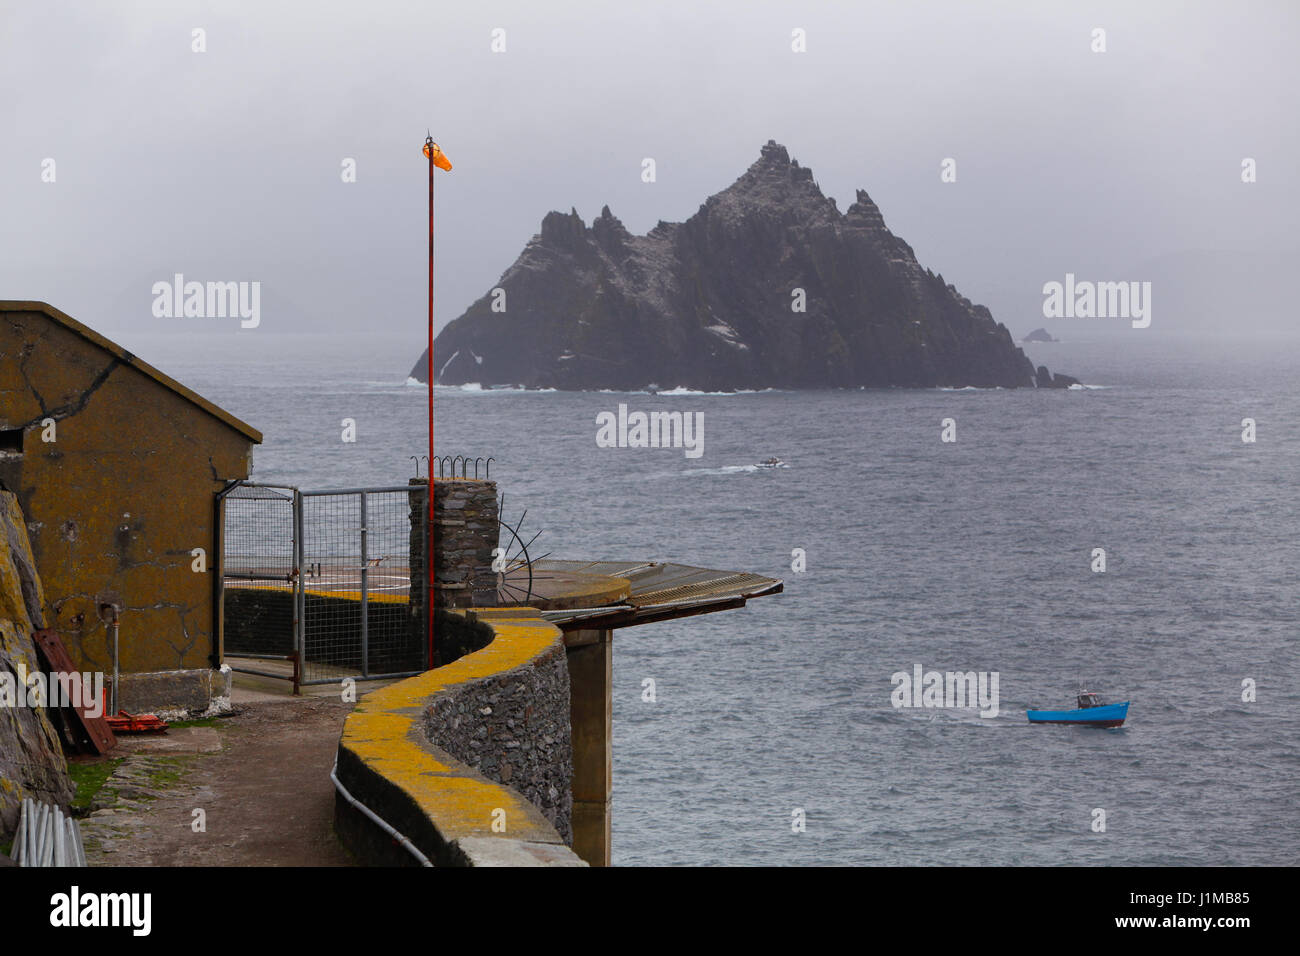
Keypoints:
(864, 208)
(774, 164)
(563, 229)
(609, 228)
(774, 154)
(706, 302)
(772, 181)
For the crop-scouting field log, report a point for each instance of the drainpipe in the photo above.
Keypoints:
(108, 613)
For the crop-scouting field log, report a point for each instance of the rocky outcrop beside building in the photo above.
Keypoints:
(31, 756)
(768, 285)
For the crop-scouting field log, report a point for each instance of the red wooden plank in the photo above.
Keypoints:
(95, 732)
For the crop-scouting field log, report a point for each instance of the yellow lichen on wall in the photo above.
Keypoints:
(119, 499)
(384, 732)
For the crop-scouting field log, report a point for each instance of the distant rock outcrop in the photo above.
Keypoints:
(767, 285)
(1039, 335)
(1046, 379)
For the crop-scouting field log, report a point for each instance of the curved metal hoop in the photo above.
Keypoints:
(515, 557)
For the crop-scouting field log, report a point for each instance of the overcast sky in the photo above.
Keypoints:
(225, 165)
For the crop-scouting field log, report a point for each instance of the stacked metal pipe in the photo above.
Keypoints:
(46, 837)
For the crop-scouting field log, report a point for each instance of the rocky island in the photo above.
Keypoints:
(768, 285)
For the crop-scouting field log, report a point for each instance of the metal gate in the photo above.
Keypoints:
(260, 604)
(317, 584)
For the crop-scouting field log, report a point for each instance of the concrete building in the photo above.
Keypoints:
(117, 467)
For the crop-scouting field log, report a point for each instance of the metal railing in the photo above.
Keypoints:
(447, 465)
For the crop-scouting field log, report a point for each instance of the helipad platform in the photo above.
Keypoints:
(638, 592)
(570, 594)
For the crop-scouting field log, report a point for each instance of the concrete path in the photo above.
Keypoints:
(260, 778)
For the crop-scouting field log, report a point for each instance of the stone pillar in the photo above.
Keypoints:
(466, 529)
(591, 679)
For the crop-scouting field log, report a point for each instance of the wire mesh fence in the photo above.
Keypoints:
(357, 581)
(328, 587)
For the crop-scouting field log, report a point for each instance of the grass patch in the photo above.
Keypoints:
(89, 777)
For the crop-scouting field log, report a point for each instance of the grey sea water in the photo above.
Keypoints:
(973, 555)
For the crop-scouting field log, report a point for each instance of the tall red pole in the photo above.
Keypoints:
(428, 517)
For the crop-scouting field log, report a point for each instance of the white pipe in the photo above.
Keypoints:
(21, 838)
(47, 840)
(75, 827)
(58, 858)
(29, 851)
(41, 814)
(375, 818)
(33, 835)
(45, 837)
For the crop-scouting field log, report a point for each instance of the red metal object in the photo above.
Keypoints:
(428, 507)
(88, 733)
(125, 723)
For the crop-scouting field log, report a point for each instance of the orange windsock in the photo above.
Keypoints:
(431, 151)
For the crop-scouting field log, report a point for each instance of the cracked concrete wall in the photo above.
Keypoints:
(117, 501)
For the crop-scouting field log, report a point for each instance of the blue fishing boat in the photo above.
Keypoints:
(1091, 713)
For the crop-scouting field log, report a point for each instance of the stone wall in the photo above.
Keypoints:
(31, 757)
(177, 695)
(514, 728)
(406, 753)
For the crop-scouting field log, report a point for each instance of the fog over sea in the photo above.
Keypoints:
(973, 555)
